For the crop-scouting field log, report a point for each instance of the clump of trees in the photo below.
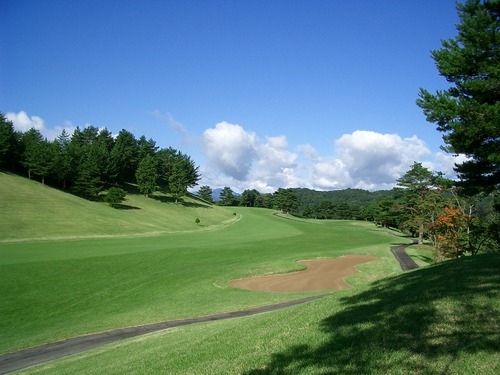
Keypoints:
(428, 206)
(91, 161)
(468, 112)
(468, 116)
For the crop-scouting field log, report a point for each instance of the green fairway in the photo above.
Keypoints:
(99, 268)
(57, 289)
(438, 320)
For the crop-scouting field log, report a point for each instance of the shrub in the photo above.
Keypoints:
(115, 196)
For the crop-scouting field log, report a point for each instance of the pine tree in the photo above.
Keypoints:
(468, 113)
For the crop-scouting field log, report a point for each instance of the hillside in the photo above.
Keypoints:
(31, 210)
(348, 199)
(438, 320)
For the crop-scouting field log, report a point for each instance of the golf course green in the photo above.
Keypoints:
(94, 268)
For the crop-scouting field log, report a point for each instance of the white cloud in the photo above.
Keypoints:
(171, 121)
(445, 163)
(22, 122)
(230, 149)
(239, 159)
(374, 160)
(308, 151)
(363, 159)
(276, 164)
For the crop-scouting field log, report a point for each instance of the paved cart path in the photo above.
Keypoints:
(29, 357)
(404, 259)
(48, 352)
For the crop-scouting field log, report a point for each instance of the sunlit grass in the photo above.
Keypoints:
(442, 319)
(56, 289)
(421, 254)
(32, 211)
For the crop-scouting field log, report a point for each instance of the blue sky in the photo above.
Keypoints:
(262, 94)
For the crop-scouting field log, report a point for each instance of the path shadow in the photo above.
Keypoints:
(418, 322)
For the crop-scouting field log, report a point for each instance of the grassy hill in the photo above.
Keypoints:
(439, 320)
(435, 320)
(32, 211)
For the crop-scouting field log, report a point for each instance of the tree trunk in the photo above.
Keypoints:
(421, 235)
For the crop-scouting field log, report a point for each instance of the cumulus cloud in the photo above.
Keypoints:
(276, 164)
(240, 159)
(363, 159)
(445, 163)
(230, 149)
(22, 122)
(308, 151)
(375, 160)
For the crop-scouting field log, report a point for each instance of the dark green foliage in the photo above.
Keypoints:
(249, 198)
(205, 193)
(423, 198)
(115, 196)
(124, 156)
(355, 204)
(7, 141)
(36, 157)
(178, 180)
(62, 162)
(285, 200)
(227, 198)
(177, 172)
(264, 201)
(146, 148)
(90, 160)
(468, 113)
(165, 159)
(147, 175)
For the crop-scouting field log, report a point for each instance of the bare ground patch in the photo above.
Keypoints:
(321, 274)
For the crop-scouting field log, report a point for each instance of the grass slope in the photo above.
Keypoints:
(443, 319)
(52, 290)
(32, 211)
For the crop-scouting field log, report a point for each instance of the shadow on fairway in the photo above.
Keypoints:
(171, 200)
(120, 206)
(417, 322)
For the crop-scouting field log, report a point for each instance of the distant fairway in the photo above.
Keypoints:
(56, 289)
(52, 290)
(441, 319)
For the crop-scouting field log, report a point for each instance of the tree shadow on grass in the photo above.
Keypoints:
(120, 206)
(164, 198)
(419, 322)
(172, 200)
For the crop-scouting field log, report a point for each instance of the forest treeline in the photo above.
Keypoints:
(424, 204)
(92, 160)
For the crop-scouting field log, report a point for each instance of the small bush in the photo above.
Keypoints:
(115, 196)
(197, 221)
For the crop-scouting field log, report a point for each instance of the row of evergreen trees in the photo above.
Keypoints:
(91, 160)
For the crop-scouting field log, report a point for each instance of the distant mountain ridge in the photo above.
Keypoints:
(216, 194)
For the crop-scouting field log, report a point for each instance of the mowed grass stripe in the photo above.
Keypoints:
(441, 319)
(57, 289)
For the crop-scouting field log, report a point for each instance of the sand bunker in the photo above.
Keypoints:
(321, 274)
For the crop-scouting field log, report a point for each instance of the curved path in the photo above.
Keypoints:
(29, 357)
(48, 352)
(404, 259)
